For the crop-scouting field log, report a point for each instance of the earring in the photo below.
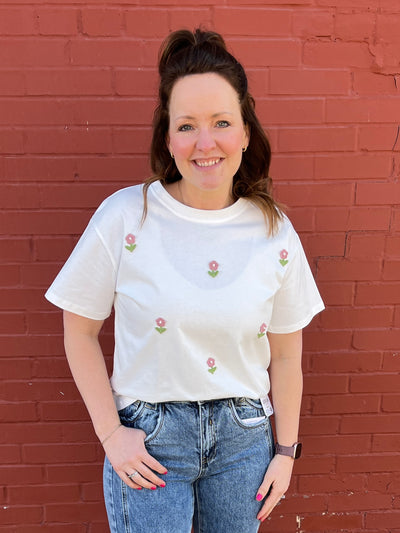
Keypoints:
(244, 148)
(172, 155)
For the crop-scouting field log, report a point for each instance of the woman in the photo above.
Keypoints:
(210, 287)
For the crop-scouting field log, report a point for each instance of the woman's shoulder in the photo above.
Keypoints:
(130, 196)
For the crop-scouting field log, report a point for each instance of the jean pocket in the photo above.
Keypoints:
(145, 416)
(247, 413)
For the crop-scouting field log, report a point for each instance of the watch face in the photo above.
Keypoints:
(297, 451)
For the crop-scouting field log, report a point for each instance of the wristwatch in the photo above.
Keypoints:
(291, 451)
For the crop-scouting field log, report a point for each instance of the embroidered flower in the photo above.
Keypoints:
(213, 266)
(211, 364)
(263, 329)
(283, 257)
(130, 239)
(161, 323)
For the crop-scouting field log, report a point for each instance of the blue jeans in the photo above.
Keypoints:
(216, 455)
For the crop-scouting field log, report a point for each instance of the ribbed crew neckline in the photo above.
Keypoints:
(191, 213)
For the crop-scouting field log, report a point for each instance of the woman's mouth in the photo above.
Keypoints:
(207, 162)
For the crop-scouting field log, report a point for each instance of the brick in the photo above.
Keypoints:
(371, 83)
(309, 82)
(354, 26)
(127, 139)
(68, 82)
(326, 244)
(292, 111)
(43, 322)
(391, 270)
(9, 276)
(122, 168)
(252, 21)
(302, 218)
(325, 385)
(337, 445)
(332, 483)
(317, 341)
(15, 369)
(375, 383)
(388, 519)
(68, 140)
(12, 323)
(391, 362)
(39, 390)
(106, 22)
(37, 494)
(378, 339)
(342, 403)
(32, 432)
(384, 483)
(319, 425)
(10, 453)
(360, 245)
(49, 528)
(21, 474)
(31, 52)
(330, 54)
(13, 514)
(272, 52)
(357, 218)
(347, 362)
(292, 167)
(356, 502)
(392, 246)
(51, 367)
(43, 223)
(11, 141)
(57, 21)
(20, 196)
(136, 82)
(58, 453)
(337, 293)
(350, 3)
(53, 248)
(111, 52)
(147, 22)
(332, 522)
(17, 412)
(39, 168)
(12, 83)
(190, 18)
(92, 492)
(378, 137)
(356, 317)
(313, 23)
(38, 275)
(17, 21)
(68, 512)
(369, 424)
(396, 220)
(315, 194)
(349, 270)
(369, 463)
(377, 193)
(32, 345)
(307, 505)
(63, 411)
(358, 109)
(315, 465)
(386, 443)
(75, 473)
(377, 293)
(80, 432)
(387, 27)
(316, 140)
(352, 166)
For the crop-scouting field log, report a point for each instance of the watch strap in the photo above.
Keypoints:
(290, 451)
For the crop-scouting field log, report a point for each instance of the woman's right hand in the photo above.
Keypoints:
(127, 454)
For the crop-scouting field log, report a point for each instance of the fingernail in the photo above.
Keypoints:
(259, 497)
(153, 488)
(139, 488)
(166, 472)
(162, 485)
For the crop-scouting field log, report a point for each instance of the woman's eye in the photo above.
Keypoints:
(223, 124)
(185, 127)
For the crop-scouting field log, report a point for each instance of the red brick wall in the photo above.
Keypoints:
(77, 85)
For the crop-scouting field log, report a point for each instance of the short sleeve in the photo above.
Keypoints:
(297, 301)
(86, 283)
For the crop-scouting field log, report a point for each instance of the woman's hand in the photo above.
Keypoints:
(275, 484)
(127, 454)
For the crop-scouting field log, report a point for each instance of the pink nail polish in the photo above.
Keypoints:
(153, 488)
(166, 472)
(162, 485)
(259, 497)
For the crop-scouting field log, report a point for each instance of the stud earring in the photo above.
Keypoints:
(244, 148)
(172, 155)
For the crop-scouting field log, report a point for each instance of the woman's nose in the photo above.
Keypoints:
(205, 140)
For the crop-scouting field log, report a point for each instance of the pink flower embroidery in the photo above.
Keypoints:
(211, 364)
(263, 329)
(161, 323)
(213, 266)
(283, 257)
(130, 239)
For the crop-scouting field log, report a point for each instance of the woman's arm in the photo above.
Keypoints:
(124, 446)
(286, 387)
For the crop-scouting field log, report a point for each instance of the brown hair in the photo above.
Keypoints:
(184, 53)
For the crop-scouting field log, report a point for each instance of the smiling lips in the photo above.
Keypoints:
(207, 163)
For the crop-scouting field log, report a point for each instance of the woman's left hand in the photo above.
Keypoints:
(275, 484)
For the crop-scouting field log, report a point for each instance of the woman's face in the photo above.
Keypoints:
(206, 135)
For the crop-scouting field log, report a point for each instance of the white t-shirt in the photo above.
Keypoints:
(194, 292)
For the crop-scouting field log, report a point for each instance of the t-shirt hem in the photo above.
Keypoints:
(73, 308)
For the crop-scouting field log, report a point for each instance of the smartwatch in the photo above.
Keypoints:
(291, 451)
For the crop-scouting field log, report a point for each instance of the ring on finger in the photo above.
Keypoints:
(134, 473)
